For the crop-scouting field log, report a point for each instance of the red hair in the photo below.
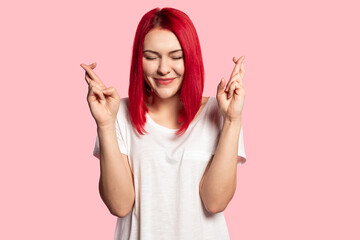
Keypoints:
(192, 87)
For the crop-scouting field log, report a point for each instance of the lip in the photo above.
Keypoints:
(164, 81)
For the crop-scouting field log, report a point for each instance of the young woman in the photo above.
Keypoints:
(168, 155)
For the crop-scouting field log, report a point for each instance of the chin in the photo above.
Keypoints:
(166, 95)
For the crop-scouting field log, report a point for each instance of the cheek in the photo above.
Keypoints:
(180, 68)
(145, 69)
(148, 68)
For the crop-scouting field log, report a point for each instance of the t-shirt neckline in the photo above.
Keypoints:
(170, 130)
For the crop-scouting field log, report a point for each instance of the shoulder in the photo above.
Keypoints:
(124, 104)
(208, 102)
(212, 104)
(211, 100)
(123, 112)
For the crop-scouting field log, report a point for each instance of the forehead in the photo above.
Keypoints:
(161, 40)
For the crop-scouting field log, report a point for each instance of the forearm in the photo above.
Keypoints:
(116, 184)
(219, 183)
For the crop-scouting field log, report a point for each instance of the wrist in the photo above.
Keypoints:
(106, 127)
(234, 123)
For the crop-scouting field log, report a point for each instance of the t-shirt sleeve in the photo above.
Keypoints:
(241, 159)
(120, 127)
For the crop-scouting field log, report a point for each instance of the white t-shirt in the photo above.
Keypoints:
(167, 171)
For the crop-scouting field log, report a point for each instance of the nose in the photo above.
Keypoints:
(164, 67)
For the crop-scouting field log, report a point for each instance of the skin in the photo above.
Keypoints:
(116, 183)
(163, 58)
(218, 183)
(165, 102)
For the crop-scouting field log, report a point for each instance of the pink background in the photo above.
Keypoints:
(300, 120)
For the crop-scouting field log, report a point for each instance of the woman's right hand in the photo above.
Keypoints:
(103, 102)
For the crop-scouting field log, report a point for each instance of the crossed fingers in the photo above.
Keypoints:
(236, 78)
(91, 77)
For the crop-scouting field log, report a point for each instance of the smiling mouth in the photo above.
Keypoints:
(164, 81)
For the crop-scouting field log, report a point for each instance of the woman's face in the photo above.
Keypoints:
(163, 62)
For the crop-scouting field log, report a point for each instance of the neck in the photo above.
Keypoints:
(171, 105)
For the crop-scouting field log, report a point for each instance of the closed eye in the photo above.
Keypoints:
(150, 58)
(153, 58)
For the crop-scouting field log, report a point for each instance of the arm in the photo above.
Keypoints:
(218, 183)
(116, 185)
(116, 181)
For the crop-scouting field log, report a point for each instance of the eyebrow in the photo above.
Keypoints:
(151, 51)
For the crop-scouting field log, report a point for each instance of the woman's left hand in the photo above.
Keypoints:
(231, 99)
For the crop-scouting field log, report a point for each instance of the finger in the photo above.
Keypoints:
(236, 77)
(95, 91)
(111, 91)
(220, 87)
(87, 78)
(93, 83)
(237, 65)
(92, 74)
(234, 85)
(242, 58)
(242, 71)
(89, 70)
(92, 65)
